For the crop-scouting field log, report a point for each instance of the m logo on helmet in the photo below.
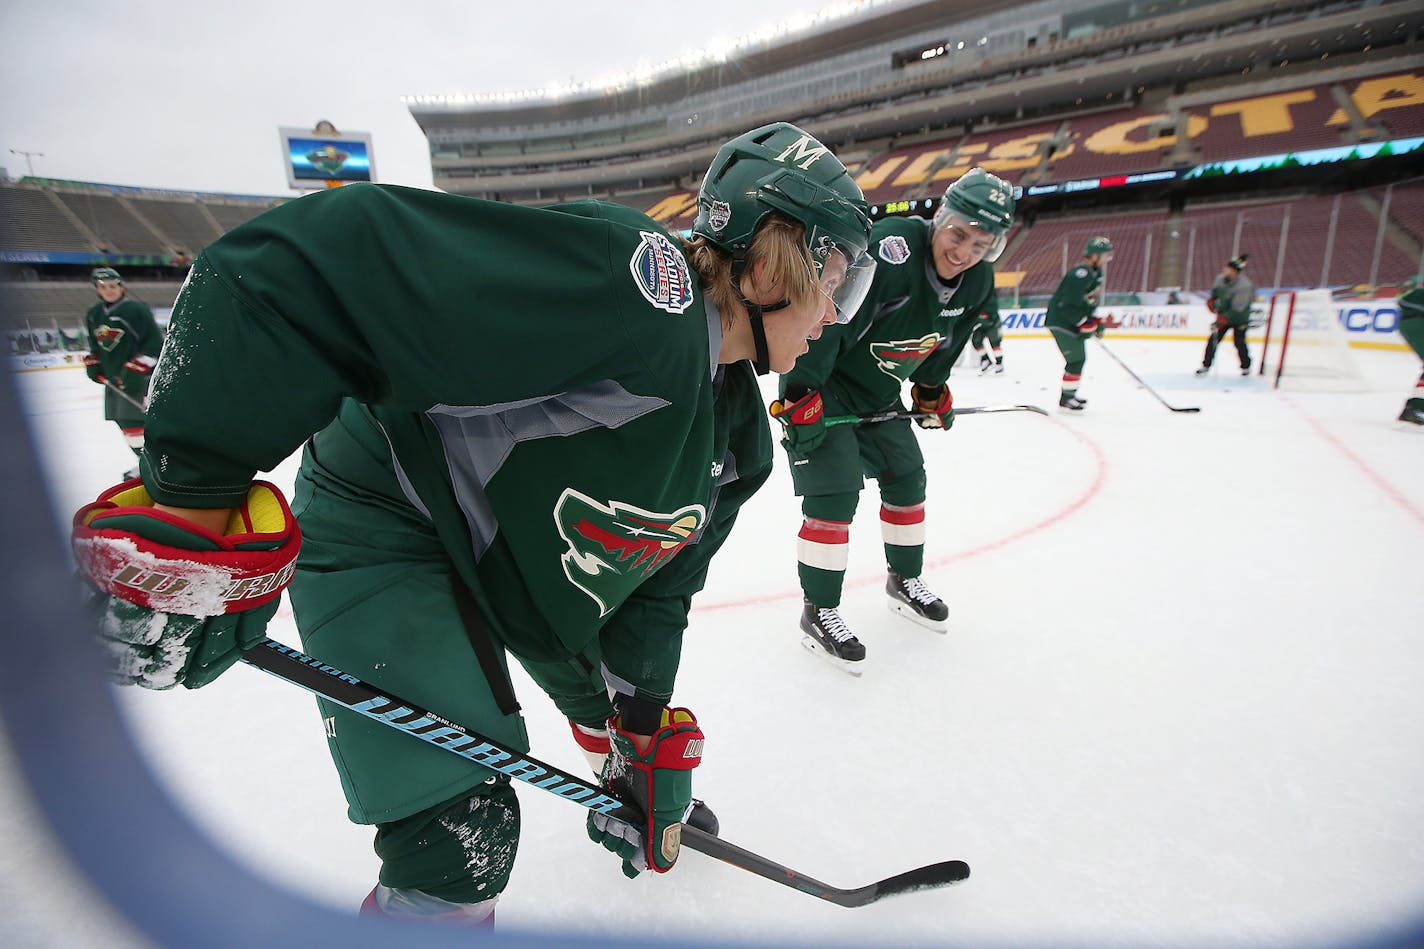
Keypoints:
(806, 150)
(615, 547)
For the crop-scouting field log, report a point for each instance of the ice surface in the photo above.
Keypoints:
(1178, 705)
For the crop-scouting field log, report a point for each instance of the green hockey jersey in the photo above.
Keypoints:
(912, 325)
(1076, 297)
(118, 333)
(547, 380)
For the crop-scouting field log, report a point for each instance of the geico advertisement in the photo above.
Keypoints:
(1363, 320)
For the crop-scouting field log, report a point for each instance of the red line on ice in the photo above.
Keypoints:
(1099, 476)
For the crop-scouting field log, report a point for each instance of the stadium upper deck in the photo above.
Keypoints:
(864, 81)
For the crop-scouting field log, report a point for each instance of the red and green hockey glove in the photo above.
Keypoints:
(1088, 326)
(177, 602)
(134, 377)
(656, 786)
(937, 402)
(803, 422)
(91, 367)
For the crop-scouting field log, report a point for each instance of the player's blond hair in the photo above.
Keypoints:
(780, 241)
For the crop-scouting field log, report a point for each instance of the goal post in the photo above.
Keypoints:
(1305, 347)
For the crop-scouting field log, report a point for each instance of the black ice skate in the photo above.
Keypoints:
(1245, 370)
(914, 601)
(1412, 415)
(1203, 370)
(999, 365)
(828, 635)
(1072, 403)
(986, 362)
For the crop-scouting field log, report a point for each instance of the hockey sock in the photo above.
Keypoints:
(902, 527)
(822, 551)
(460, 851)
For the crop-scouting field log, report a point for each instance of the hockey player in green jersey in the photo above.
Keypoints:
(529, 431)
(1411, 327)
(124, 342)
(987, 338)
(1071, 319)
(1231, 297)
(932, 281)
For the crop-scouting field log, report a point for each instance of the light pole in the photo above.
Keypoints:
(29, 165)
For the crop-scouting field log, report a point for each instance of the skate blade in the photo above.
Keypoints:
(895, 606)
(849, 668)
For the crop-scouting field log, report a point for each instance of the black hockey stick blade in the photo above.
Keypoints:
(921, 878)
(1151, 391)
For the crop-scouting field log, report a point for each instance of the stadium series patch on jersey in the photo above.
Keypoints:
(613, 547)
(894, 249)
(661, 273)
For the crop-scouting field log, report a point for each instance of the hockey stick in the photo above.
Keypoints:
(124, 395)
(892, 414)
(330, 683)
(1174, 408)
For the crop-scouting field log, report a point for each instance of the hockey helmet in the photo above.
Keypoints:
(1101, 246)
(105, 273)
(1238, 263)
(779, 167)
(983, 201)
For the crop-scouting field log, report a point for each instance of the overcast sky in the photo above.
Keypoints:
(189, 95)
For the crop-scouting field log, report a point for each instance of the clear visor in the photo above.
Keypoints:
(1104, 256)
(842, 275)
(972, 235)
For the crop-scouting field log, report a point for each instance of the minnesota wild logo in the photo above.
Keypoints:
(327, 159)
(899, 357)
(614, 547)
(107, 336)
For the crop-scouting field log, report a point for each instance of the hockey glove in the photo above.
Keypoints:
(91, 366)
(1088, 325)
(937, 401)
(134, 377)
(656, 785)
(803, 422)
(178, 603)
(1221, 323)
(1100, 330)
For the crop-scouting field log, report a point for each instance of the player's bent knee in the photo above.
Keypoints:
(461, 851)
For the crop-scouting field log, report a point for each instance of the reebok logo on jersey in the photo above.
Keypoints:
(614, 547)
(661, 273)
(957, 311)
(898, 358)
(894, 249)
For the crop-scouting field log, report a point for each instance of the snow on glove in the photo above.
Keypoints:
(937, 401)
(178, 603)
(657, 788)
(803, 422)
(92, 368)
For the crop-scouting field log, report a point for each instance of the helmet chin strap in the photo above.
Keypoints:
(762, 362)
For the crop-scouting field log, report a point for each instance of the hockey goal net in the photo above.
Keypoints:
(1305, 347)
